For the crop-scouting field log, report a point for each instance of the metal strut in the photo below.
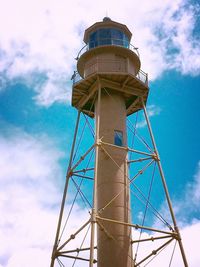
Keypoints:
(165, 185)
(64, 194)
(94, 210)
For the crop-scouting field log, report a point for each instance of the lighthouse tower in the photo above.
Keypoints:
(110, 67)
(108, 87)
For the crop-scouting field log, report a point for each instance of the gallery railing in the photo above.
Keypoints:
(110, 66)
(106, 42)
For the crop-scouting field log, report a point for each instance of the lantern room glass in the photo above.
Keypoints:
(108, 36)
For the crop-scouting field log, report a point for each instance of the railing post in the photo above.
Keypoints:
(146, 82)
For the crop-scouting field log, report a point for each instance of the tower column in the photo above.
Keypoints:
(113, 240)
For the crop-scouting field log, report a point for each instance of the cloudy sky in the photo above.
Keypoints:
(38, 43)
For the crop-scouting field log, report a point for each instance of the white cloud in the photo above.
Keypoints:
(190, 236)
(193, 189)
(31, 185)
(32, 257)
(48, 91)
(152, 110)
(29, 194)
(44, 37)
(187, 206)
(182, 48)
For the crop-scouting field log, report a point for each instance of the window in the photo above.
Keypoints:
(118, 138)
(93, 40)
(126, 41)
(117, 37)
(108, 36)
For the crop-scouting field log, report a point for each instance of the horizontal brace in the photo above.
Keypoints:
(141, 152)
(84, 170)
(76, 250)
(138, 160)
(136, 226)
(152, 238)
(129, 149)
(73, 257)
(83, 176)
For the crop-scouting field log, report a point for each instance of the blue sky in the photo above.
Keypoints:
(38, 44)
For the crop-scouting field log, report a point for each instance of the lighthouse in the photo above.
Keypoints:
(109, 86)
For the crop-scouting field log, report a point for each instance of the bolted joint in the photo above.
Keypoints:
(55, 254)
(155, 157)
(98, 142)
(154, 252)
(70, 173)
(176, 236)
(93, 216)
(136, 226)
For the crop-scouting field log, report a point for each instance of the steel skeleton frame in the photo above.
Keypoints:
(95, 218)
